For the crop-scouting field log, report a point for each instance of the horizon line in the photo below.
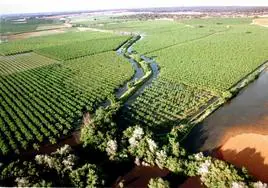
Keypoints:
(114, 9)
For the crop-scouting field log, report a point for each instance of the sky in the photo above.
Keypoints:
(36, 6)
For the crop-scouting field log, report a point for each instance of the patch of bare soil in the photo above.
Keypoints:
(35, 34)
(261, 22)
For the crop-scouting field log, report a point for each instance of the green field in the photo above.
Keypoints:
(82, 48)
(22, 62)
(10, 26)
(20, 46)
(198, 60)
(216, 62)
(130, 107)
(166, 104)
(210, 54)
(45, 103)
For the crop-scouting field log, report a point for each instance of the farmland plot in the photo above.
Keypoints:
(22, 62)
(82, 48)
(30, 44)
(218, 61)
(42, 104)
(209, 54)
(166, 103)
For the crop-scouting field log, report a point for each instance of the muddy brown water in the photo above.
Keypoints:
(139, 176)
(247, 112)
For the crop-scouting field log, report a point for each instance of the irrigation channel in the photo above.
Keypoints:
(121, 94)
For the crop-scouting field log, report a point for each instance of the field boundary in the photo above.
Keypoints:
(265, 63)
(221, 101)
(188, 41)
(33, 31)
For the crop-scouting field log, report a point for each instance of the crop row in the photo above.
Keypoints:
(166, 103)
(46, 103)
(80, 49)
(22, 62)
(216, 62)
(30, 44)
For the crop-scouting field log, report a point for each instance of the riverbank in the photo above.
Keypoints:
(238, 131)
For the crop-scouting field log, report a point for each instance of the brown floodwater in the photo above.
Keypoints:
(248, 150)
(246, 113)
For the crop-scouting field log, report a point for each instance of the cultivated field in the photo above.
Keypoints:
(210, 54)
(43, 99)
(13, 26)
(82, 48)
(165, 104)
(131, 89)
(22, 62)
(31, 44)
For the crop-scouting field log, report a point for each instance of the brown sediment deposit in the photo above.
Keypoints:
(261, 21)
(35, 34)
(247, 146)
(259, 127)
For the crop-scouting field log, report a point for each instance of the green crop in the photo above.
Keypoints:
(45, 103)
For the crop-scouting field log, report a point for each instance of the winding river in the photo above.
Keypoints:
(139, 73)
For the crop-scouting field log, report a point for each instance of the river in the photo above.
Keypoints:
(246, 113)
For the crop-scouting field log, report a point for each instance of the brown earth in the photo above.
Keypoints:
(192, 182)
(261, 21)
(13, 37)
